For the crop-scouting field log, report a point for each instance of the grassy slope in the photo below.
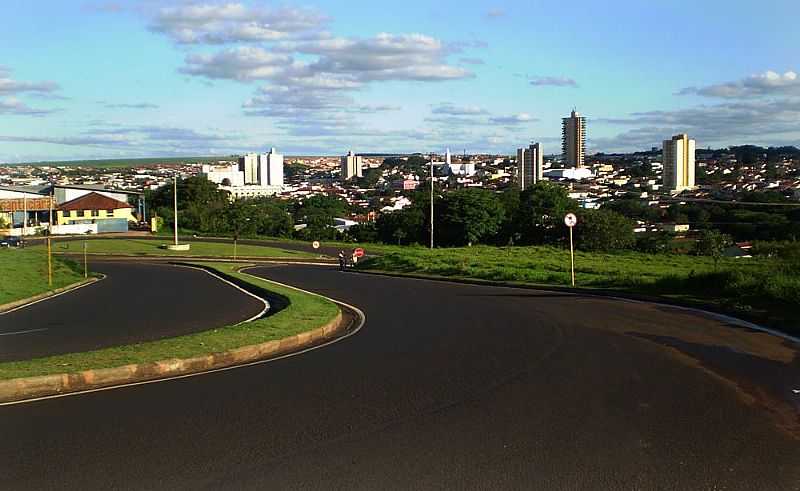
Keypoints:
(767, 288)
(152, 247)
(306, 312)
(23, 273)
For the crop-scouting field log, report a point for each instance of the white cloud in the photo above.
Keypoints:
(495, 13)
(722, 124)
(138, 105)
(11, 86)
(241, 63)
(234, 22)
(765, 84)
(12, 105)
(553, 81)
(453, 110)
(513, 119)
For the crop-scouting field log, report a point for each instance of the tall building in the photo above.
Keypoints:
(270, 169)
(249, 165)
(351, 166)
(678, 162)
(448, 159)
(530, 162)
(573, 139)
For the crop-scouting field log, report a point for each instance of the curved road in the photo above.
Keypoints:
(135, 302)
(445, 387)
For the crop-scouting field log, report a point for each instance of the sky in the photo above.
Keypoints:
(144, 78)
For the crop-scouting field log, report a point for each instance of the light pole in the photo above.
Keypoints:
(431, 158)
(175, 199)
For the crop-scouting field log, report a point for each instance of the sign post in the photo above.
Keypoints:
(49, 263)
(85, 260)
(570, 220)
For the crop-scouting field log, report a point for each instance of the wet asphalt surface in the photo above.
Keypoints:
(445, 387)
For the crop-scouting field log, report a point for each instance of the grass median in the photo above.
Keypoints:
(23, 273)
(766, 290)
(142, 247)
(305, 312)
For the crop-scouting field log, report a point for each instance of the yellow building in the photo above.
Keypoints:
(92, 208)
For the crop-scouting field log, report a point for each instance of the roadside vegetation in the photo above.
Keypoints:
(23, 273)
(145, 247)
(763, 288)
(305, 312)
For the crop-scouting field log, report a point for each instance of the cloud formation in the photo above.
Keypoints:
(453, 110)
(514, 119)
(743, 121)
(12, 105)
(11, 86)
(553, 81)
(234, 22)
(765, 84)
(140, 105)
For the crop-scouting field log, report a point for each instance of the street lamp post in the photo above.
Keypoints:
(431, 158)
(175, 199)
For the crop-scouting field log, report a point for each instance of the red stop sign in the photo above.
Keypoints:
(359, 252)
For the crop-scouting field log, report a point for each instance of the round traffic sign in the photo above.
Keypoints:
(315, 244)
(359, 252)
(570, 220)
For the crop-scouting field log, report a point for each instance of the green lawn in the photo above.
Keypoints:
(23, 273)
(305, 312)
(142, 247)
(764, 289)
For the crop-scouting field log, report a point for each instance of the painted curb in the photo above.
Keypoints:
(20, 389)
(18, 304)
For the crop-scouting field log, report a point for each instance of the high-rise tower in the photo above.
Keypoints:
(530, 162)
(351, 166)
(678, 162)
(573, 139)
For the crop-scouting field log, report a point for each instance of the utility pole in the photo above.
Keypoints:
(175, 216)
(49, 264)
(431, 157)
(24, 219)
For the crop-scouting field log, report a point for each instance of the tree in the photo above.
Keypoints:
(712, 243)
(541, 212)
(604, 230)
(318, 212)
(470, 216)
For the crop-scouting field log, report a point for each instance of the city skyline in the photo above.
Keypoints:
(132, 79)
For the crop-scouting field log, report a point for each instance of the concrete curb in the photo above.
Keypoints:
(18, 304)
(20, 389)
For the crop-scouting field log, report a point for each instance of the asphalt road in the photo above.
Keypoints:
(135, 302)
(445, 387)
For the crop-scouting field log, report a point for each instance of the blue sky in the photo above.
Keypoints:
(105, 79)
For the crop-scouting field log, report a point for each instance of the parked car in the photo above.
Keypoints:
(10, 242)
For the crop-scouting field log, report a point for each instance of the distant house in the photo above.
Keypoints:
(110, 215)
(675, 228)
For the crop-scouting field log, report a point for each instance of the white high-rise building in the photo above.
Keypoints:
(224, 175)
(530, 162)
(249, 165)
(573, 139)
(270, 169)
(351, 166)
(678, 163)
(448, 159)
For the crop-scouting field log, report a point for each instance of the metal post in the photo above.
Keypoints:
(234, 248)
(572, 256)
(24, 218)
(175, 216)
(50, 226)
(85, 260)
(49, 264)
(431, 201)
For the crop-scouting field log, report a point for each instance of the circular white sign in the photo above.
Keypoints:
(570, 220)
(315, 244)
